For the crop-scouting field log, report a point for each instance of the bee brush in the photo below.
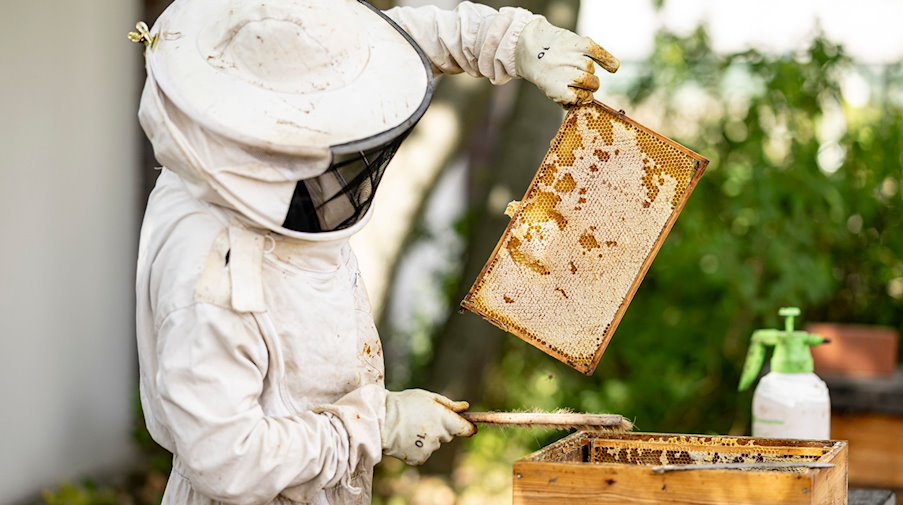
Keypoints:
(552, 420)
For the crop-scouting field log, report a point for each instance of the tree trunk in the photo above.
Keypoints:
(504, 158)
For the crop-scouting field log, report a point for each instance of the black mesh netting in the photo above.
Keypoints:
(340, 196)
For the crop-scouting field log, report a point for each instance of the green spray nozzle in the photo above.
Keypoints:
(791, 350)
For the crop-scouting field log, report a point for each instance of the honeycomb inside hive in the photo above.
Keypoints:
(598, 209)
(666, 449)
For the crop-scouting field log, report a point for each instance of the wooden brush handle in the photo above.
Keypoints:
(546, 419)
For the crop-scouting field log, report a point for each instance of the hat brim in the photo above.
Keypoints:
(391, 91)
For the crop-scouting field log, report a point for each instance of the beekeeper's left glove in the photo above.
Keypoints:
(560, 62)
(418, 421)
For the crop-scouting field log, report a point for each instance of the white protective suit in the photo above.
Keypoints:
(261, 368)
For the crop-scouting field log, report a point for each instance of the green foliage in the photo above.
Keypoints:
(801, 206)
(157, 459)
(84, 494)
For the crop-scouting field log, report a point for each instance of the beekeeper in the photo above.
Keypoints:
(274, 120)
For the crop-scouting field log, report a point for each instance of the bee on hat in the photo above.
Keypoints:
(274, 121)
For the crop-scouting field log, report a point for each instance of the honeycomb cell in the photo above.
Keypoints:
(644, 449)
(590, 224)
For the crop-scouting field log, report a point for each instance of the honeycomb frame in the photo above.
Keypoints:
(604, 199)
(662, 449)
(597, 468)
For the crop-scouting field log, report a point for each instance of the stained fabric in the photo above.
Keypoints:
(285, 401)
(281, 401)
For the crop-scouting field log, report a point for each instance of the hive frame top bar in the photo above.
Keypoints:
(591, 222)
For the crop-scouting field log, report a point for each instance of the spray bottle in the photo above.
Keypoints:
(790, 401)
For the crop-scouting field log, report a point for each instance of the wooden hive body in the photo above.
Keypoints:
(598, 468)
(598, 210)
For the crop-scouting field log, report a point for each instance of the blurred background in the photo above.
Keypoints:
(798, 105)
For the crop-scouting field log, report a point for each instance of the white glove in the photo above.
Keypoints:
(418, 421)
(560, 62)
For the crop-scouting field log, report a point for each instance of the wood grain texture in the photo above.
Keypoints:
(876, 448)
(563, 420)
(569, 471)
(591, 484)
(828, 485)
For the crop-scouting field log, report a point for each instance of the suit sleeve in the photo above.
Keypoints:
(472, 38)
(212, 364)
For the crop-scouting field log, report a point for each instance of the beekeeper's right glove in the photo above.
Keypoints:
(418, 421)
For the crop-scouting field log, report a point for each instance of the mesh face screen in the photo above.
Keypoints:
(655, 450)
(342, 194)
(595, 215)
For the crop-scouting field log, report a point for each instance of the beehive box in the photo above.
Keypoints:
(598, 210)
(645, 468)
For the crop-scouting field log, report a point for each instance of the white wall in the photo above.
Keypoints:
(68, 226)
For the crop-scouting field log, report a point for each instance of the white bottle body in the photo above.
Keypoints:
(792, 406)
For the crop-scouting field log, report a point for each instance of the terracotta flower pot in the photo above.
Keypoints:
(855, 350)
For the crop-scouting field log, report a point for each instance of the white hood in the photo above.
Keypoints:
(243, 100)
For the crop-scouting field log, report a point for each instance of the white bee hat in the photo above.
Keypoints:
(287, 73)
(254, 96)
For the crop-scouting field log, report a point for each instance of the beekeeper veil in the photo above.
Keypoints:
(287, 111)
